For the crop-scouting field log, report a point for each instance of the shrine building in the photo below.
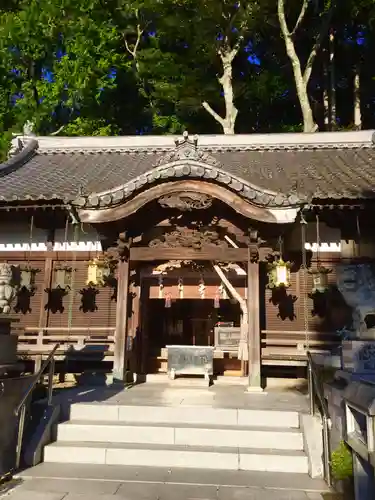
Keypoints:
(252, 248)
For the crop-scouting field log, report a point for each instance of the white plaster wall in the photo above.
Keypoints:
(85, 241)
(330, 238)
(17, 238)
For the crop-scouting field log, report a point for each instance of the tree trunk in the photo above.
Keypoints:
(326, 97)
(301, 78)
(226, 81)
(357, 101)
(332, 81)
(357, 118)
(309, 124)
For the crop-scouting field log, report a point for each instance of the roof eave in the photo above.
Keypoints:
(28, 150)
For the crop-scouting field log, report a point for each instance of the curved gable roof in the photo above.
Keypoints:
(292, 168)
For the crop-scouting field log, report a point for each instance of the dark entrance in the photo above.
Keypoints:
(185, 322)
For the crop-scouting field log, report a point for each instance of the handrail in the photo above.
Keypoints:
(315, 390)
(20, 409)
(36, 380)
(318, 391)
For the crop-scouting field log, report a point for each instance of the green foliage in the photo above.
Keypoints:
(89, 127)
(4, 146)
(98, 67)
(342, 462)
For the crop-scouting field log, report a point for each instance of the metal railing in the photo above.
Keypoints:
(316, 394)
(20, 410)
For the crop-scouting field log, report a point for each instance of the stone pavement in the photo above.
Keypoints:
(68, 482)
(47, 489)
(153, 394)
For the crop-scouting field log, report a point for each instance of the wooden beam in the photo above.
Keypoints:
(181, 253)
(232, 199)
(120, 355)
(145, 253)
(255, 383)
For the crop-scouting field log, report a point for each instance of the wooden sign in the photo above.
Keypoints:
(227, 338)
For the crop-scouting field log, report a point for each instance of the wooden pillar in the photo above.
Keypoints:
(254, 339)
(134, 328)
(120, 355)
(144, 311)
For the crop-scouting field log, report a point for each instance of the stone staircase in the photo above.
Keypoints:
(177, 436)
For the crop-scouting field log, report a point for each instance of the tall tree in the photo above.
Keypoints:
(60, 54)
(219, 31)
(302, 72)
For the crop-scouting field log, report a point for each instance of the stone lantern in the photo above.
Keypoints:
(7, 289)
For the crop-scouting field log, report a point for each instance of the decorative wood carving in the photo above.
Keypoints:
(121, 251)
(187, 149)
(186, 201)
(189, 238)
(254, 243)
(206, 253)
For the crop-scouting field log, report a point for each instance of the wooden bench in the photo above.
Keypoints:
(283, 348)
(76, 343)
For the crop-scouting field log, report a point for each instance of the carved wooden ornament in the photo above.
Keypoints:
(189, 238)
(186, 201)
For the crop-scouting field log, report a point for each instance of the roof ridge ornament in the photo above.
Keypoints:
(19, 140)
(185, 139)
(187, 150)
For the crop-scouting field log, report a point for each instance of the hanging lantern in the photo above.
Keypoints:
(279, 274)
(62, 275)
(320, 279)
(320, 274)
(180, 287)
(27, 277)
(168, 300)
(161, 287)
(98, 272)
(217, 299)
(27, 273)
(201, 289)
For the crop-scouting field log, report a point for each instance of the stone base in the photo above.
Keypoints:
(179, 381)
(227, 380)
(255, 390)
(350, 376)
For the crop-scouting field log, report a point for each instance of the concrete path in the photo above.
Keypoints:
(164, 395)
(68, 482)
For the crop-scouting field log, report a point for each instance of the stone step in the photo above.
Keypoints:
(102, 478)
(149, 455)
(179, 434)
(185, 415)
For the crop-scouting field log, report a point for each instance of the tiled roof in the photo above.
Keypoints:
(318, 170)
